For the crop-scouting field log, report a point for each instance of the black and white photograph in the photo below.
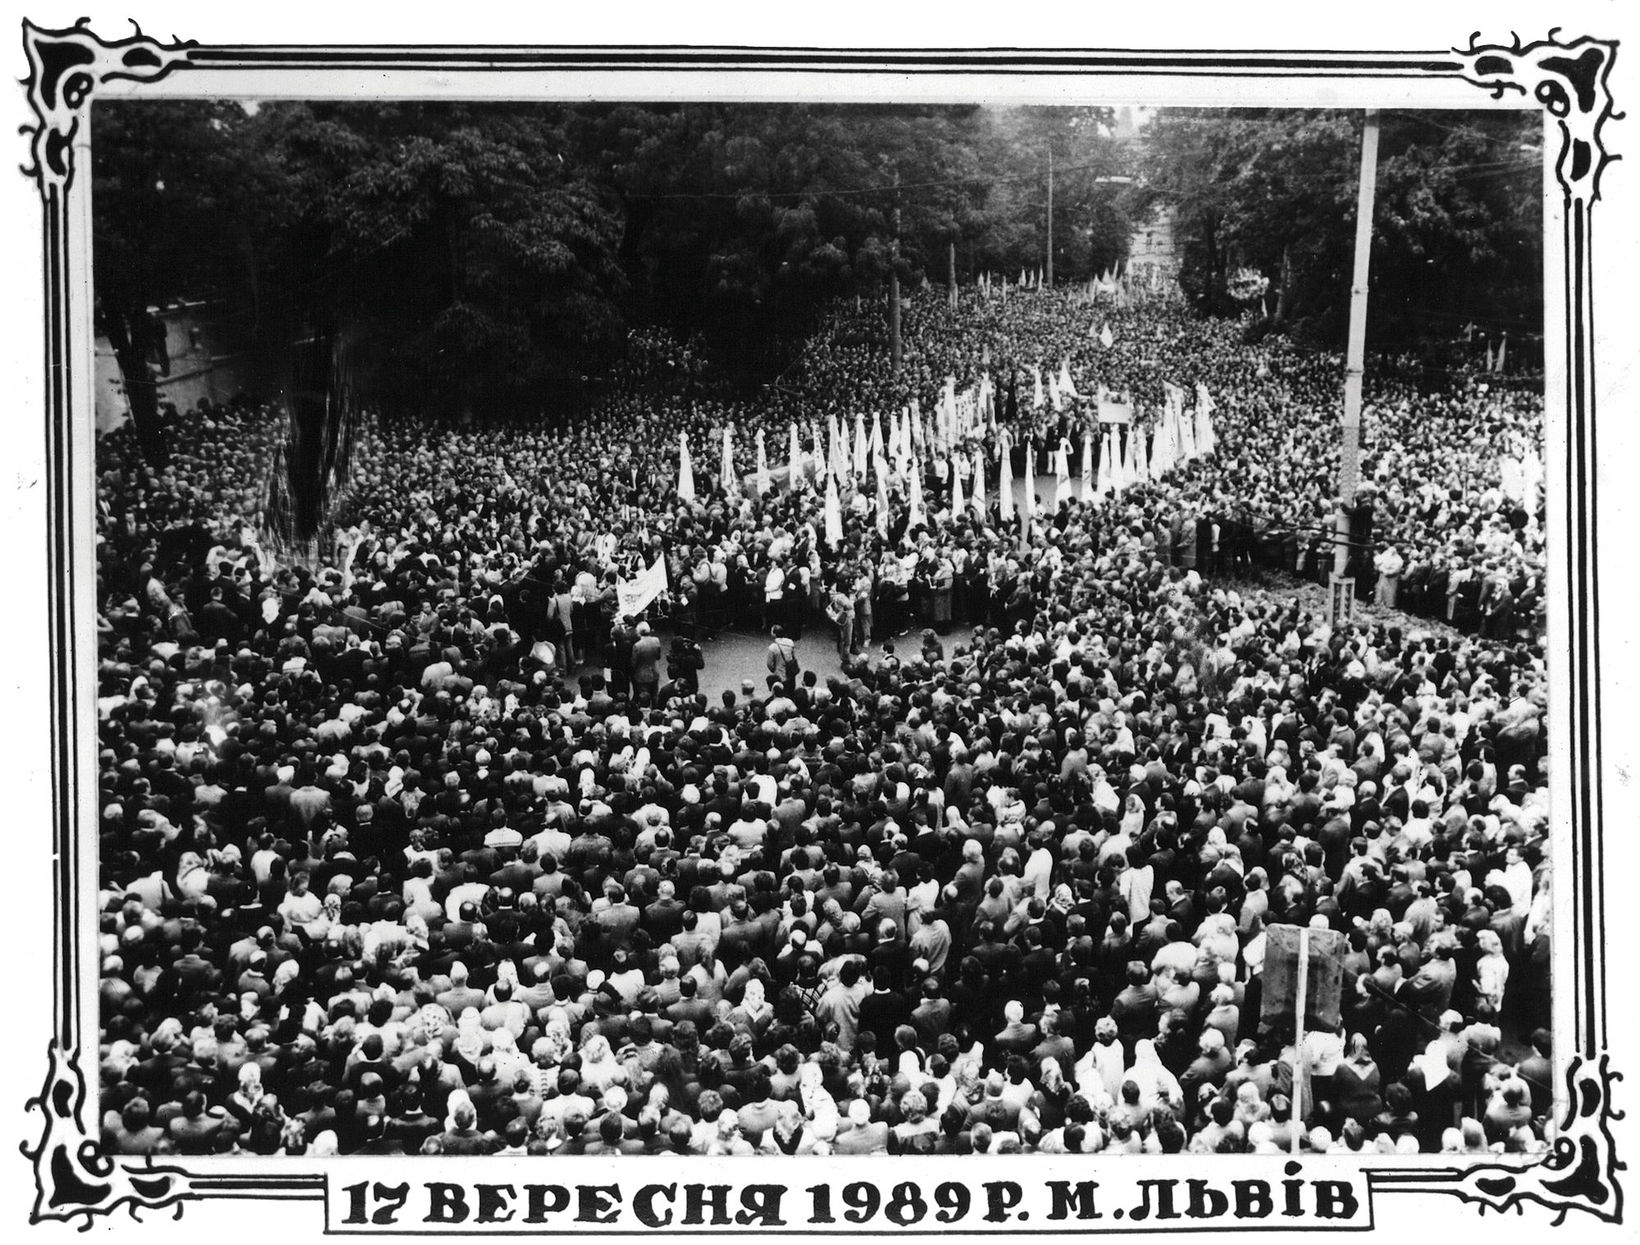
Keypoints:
(782, 604)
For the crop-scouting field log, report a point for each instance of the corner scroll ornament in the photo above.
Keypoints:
(1570, 80)
(73, 1178)
(65, 67)
(1579, 1172)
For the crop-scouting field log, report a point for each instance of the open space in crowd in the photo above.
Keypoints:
(386, 869)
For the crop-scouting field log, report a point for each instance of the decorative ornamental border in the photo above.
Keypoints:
(76, 1181)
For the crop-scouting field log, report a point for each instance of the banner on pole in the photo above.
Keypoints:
(632, 596)
(1323, 989)
(1115, 412)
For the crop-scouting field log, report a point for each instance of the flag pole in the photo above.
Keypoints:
(1298, 1032)
(1354, 367)
(1049, 281)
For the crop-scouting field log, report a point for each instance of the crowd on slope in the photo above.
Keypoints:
(382, 874)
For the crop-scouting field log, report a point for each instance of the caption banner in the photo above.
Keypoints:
(691, 1195)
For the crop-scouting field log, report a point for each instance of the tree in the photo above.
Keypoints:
(1091, 224)
(464, 250)
(742, 219)
(178, 197)
(1456, 226)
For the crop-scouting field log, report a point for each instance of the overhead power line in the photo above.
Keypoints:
(886, 187)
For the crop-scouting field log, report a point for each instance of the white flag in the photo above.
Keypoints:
(686, 470)
(918, 517)
(834, 513)
(1005, 486)
(1205, 440)
(1105, 338)
(762, 465)
(632, 596)
(1030, 481)
(730, 482)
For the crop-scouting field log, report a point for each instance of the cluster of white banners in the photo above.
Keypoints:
(1060, 388)
(1175, 439)
(838, 462)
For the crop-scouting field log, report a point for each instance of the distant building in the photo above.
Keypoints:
(1152, 240)
(196, 363)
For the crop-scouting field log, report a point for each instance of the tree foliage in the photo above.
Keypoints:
(493, 256)
(1456, 225)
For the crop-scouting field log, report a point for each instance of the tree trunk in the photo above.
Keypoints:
(1285, 291)
(253, 281)
(1215, 295)
(127, 331)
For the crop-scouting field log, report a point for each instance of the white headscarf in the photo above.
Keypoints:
(1433, 1063)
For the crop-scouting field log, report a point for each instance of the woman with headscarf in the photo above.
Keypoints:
(754, 1013)
(244, 1102)
(1100, 1071)
(918, 1130)
(599, 1067)
(1356, 1083)
(791, 1133)
(461, 1134)
(471, 1043)
(819, 1107)
(555, 1042)
(1436, 1094)
(1156, 1084)
(1491, 974)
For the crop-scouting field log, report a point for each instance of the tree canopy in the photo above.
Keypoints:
(1456, 228)
(497, 257)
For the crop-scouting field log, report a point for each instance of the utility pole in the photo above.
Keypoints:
(894, 281)
(1341, 596)
(1050, 216)
(951, 273)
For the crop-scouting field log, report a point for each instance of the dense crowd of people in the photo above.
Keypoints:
(387, 869)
